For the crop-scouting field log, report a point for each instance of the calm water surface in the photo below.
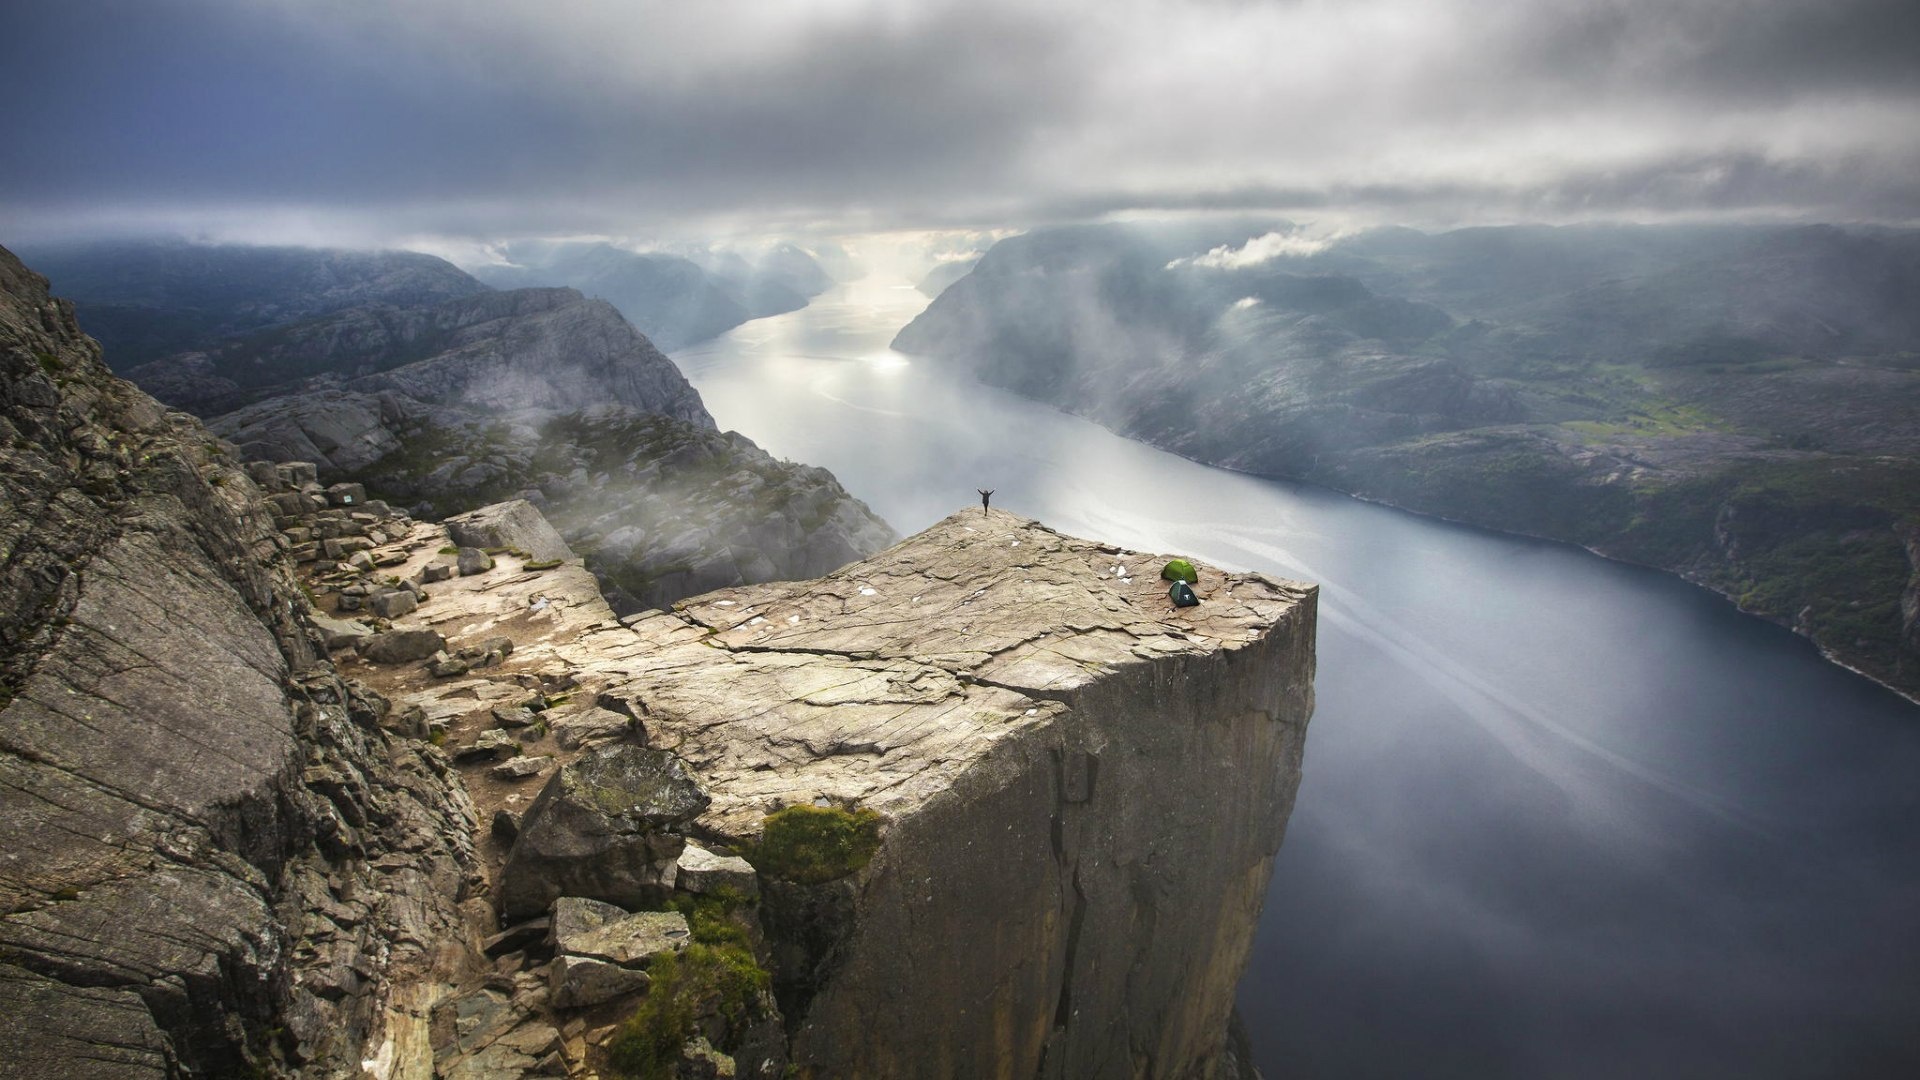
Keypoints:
(1561, 817)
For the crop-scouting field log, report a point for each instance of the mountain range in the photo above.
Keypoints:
(1739, 405)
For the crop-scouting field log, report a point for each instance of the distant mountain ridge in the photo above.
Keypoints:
(674, 300)
(143, 300)
(1740, 405)
(523, 348)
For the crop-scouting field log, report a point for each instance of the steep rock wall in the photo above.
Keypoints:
(215, 859)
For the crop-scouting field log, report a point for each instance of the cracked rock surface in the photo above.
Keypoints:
(213, 860)
(1082, 787)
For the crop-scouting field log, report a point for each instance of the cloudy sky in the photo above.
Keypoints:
(349, 120)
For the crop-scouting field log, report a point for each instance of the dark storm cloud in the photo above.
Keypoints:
(484, 117)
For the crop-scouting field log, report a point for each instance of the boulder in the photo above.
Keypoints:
(474, 561)
(516, 524)
(402, 646)
(590, 728)
(394, 603)
(701, 871)
(516, 717)
(359, 560)
(443, 666)
(340, 633)
(519, 768)
(579, 982)
(602, 829)
(437, 570)
(600, 931)
(506, 825)
(346, 495)
(490, 744)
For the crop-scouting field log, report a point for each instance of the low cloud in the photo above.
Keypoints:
(484, 119)
(1256, 252)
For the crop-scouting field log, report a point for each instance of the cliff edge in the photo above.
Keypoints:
(1078, 789)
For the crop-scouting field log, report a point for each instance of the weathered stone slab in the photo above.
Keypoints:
(579, 982)
(516, 524)
(701, 871)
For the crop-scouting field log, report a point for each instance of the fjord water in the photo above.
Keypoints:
(1560, 816)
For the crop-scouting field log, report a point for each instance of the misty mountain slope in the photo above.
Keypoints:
(1739, 405)
(522, 348)
(448, 405)
(675, 301)
(143, 300)
(662, 509)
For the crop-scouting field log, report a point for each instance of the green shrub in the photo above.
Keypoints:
(1180, 570)
(542, 564)
(450, 549)
(811, 844)
(700, 980)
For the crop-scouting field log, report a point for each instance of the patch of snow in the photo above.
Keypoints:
(868, 590)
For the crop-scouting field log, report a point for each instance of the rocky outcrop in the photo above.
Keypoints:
(217, 860)
(1074, 790)
(988, 767)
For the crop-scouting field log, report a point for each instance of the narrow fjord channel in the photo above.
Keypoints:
(1560, 816)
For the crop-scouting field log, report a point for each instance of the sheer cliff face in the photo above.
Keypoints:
(1085, 790)
(214, 856)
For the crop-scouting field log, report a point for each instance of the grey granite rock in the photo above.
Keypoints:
(601, 829)
(188, 791)
(579, 982)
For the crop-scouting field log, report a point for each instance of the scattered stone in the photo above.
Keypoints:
(512, 717)
(600, 829)
(340, 633)
(359, 560)
(490, 744)
(474, 561)
(402, 646)
(394, 603)
(519, 768)
(443, 666)
(579, 982)
(437, 570)
(701, 871)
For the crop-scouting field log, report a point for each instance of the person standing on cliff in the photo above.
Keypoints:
(985, 494)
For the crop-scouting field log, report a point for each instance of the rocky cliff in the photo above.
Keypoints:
(983, 804)
(1071, 792)
(217, 861)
